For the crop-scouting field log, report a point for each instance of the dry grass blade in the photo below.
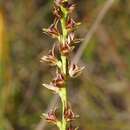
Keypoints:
(92, 30)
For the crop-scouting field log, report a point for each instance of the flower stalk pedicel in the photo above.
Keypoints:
(64, 68)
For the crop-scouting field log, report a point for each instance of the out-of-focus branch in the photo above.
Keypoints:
(79, 53)
(92, 30)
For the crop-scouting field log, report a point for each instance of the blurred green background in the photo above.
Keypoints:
(101, 95)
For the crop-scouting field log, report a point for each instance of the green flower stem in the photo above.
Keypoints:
(64, 36)
(63, 96)
(63, 93)
(64, 63)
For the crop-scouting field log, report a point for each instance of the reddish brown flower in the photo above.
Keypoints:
(69, 6)
(50, 58)
(71, 24)
(69, 114)
(75, 71)
(65, 49)
(59, 81)
(57, 12)
(72, 40)
(56, 83)
(51, 117)
(52, 30)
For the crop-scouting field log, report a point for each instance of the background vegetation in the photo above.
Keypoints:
(101, 95)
